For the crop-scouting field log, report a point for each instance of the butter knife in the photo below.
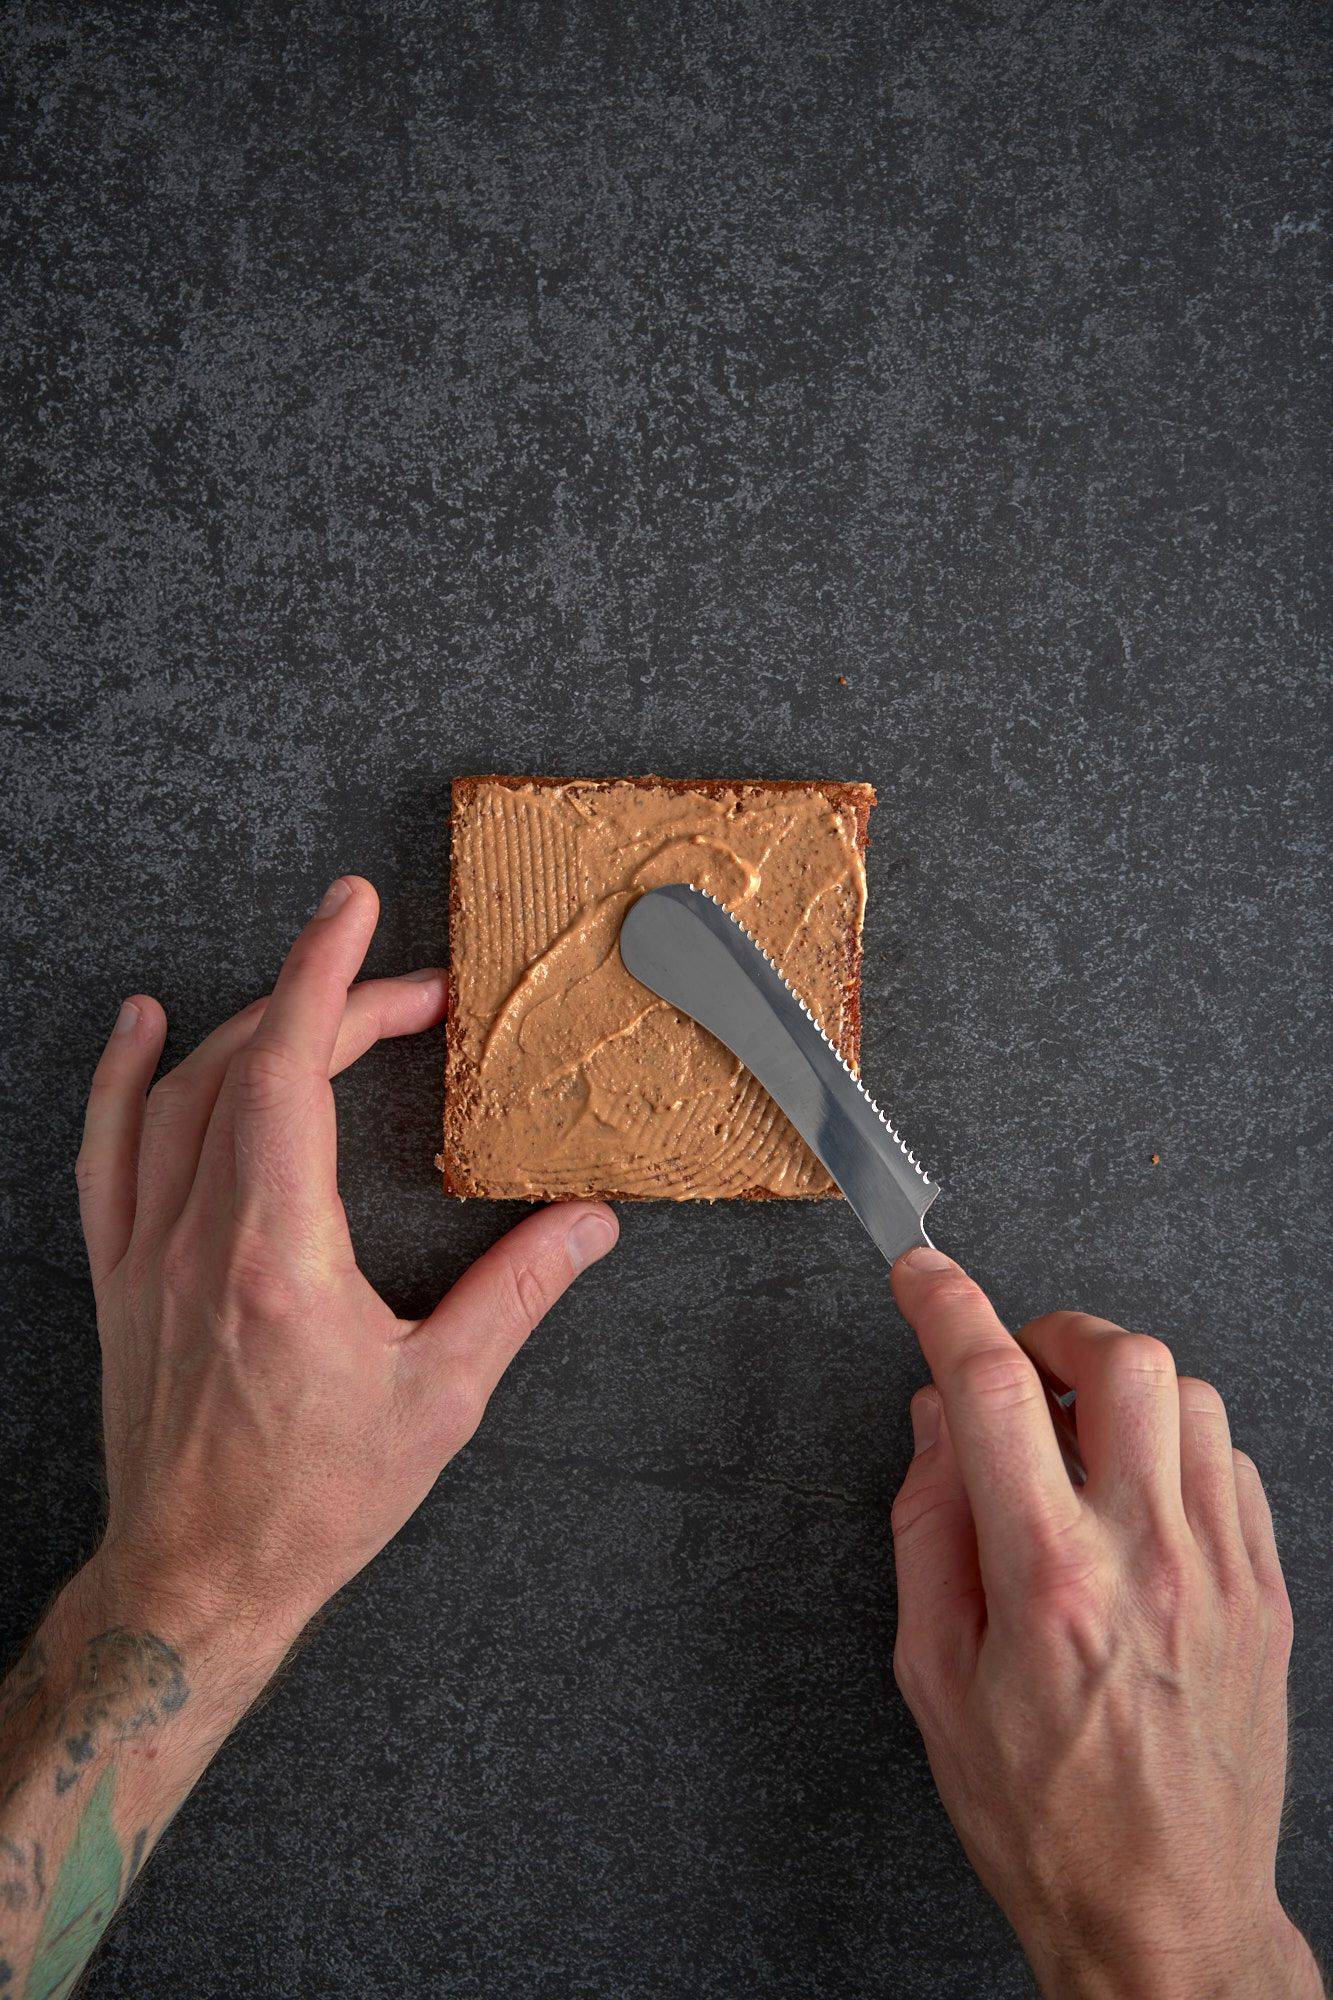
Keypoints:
(688, 948)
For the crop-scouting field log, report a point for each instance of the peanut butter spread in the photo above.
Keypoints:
(566, 1076)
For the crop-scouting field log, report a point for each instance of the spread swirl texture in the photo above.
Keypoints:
(565, 1076)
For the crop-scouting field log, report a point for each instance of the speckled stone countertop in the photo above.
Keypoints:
(930, 394)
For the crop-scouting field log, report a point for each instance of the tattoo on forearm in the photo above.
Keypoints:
(92, 1882)
(22, 1879)
(122, 1684)
(84, 1898)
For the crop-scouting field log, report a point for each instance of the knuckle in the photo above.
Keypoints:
(461, 1408)
(1242, 1593)
(169, 1094)
(257, 1287)
(261, 1074)
(1244, 1464)
(1072, 1605)
(923, 1674)
(1059, 1570)
(1064, 1320)
(1179, 1596)
(910, 1673)
(1201, 1400)
(140, 1268)
(1171, 1576)
(522, 1297)
(917, 1503)
(1068, 1571)
(1138, 1357)
(532, 1295)
(264, 1297)
(953, 1291)
(923, 1399)
(1281, 1621)
(1001, 1377)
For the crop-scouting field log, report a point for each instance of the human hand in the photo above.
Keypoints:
(1099, 1674)
(269, 1422)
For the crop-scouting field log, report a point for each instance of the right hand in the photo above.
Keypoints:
(269, 1421)
(1099, 1675)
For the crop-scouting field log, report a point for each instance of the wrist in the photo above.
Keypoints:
(228, 1657)
(1267, 1959)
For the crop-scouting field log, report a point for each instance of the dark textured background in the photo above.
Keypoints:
(408, 389)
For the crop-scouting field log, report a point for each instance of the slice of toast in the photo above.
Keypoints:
(564, 1076)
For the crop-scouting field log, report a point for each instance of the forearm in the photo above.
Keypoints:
(106, 1723)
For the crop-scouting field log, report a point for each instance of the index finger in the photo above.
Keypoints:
(276, 1131)
(301, 1021)
(1016, 1482)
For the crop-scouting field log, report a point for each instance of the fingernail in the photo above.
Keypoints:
(590, 1238)
(432, 972)
(925, 1257)
(334, 897)
(925, 1412)
(127, 1020)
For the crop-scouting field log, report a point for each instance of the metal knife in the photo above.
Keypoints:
(689, 949)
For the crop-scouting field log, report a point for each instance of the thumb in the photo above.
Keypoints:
(480, 1324)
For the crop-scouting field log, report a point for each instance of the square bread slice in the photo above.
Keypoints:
(565, 1076)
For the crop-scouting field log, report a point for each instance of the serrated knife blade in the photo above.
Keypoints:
(688, 948)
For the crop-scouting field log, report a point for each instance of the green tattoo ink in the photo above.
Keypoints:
(83, 1901)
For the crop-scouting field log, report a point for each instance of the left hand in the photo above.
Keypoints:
(270, 1423)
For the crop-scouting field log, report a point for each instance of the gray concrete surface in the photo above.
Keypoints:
(398, 391)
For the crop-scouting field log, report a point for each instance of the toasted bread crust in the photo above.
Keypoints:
(849, 796)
